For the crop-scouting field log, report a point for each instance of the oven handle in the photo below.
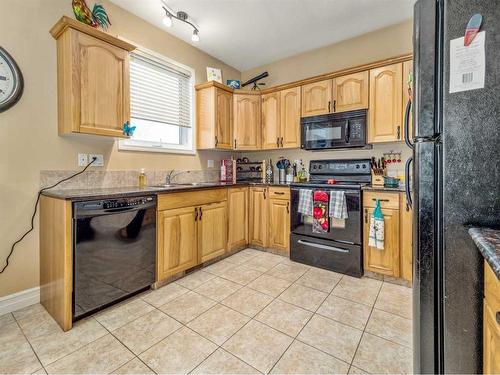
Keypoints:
(324, 247)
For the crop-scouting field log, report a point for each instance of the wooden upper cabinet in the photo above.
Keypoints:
(93, 80)
(247, 122)
(350, 92)
(407, 88)
(317, 98)
(214, 116)
(176, 241)
(212, 230)
(237, 199)
(386, 98)
(271, 120)
(290, 118)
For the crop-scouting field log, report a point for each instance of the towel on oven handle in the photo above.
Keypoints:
(321, 219)
(338, 204)
(305, 206)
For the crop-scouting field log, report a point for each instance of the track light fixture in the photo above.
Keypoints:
(183, 17)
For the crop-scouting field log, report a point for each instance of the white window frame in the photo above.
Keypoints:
(135, 145)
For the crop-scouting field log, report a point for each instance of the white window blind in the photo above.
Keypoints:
(158, 92)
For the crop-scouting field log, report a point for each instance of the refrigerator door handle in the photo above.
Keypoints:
(407, 124)
(407, 182)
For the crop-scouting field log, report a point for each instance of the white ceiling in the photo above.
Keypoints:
(249, 33)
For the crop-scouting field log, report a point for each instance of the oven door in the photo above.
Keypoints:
(347, 231)
(318, 133)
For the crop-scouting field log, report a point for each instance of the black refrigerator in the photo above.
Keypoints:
(456, 183)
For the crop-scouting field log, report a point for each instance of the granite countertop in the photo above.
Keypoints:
(117, 192)
(400, 188)
(488, 242)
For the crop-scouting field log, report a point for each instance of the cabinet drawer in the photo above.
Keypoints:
(387, 200)
(190, 198)
(491, 288)
(279, 193)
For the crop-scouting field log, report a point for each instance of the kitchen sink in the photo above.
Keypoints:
(175, 185)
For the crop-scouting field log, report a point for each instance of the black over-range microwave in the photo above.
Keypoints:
(334, 130)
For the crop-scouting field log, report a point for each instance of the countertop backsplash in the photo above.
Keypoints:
(123, 178)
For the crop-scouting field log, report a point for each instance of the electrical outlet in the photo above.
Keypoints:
(99, 162)
(210, 164)
(83, 160)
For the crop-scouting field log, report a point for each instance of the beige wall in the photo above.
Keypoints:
(381, 44)
(28, 132)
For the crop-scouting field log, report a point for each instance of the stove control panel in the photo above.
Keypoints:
(340, 167)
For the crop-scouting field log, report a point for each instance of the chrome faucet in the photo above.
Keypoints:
(171, 175)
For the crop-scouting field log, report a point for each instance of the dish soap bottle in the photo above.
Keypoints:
(142, 179)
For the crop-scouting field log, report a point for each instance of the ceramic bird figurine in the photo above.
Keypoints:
(95, 18)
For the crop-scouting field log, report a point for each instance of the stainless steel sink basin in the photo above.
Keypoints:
(175, 185)
(167, 186)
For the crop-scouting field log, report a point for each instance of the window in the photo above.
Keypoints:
(161, 105)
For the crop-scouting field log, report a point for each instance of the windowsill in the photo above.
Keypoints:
(165, 150)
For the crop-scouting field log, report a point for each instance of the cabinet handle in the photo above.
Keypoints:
(201, 213)
(287, 207)
(216, 141)
(264, 191)
(235, 144)
(334, 106)
(279, 193)
(281, 142)
(497, 316)
(399, 132)
(329, 106)
(380, 200)
(196, 214)
(278, 142)
(366, 216)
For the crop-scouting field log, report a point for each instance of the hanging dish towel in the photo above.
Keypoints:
(338, 204)
(305, 202)
(376, 236)
(321, 222)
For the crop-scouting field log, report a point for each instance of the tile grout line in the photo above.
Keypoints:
(29, 343)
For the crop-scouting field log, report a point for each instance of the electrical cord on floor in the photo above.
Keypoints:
(36, 207)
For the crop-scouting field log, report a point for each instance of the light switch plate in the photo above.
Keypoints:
(99, 160)
(83, 160)
(210, 164)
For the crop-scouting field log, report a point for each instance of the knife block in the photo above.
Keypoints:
(377, 179)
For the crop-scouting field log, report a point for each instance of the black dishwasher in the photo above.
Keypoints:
(114, 251)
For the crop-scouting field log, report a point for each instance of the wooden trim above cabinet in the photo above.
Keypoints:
(67, 22)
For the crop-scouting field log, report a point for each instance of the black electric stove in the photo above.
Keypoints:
(341, 248)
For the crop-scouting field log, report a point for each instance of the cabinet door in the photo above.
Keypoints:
(177, 241)
(258, 216)
(350, 92)
(279, 224)
(290, 118)
(406, 245)
(104, 88)
(491, 340)
(212, 230)
(407, 88)
(386, 97)
(247, 132)
(271, 121)
(224, 119)
(386, 260)
(317, 98)
(237, 218)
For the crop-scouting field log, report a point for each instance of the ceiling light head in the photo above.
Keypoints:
(195, 37)
(167, 20)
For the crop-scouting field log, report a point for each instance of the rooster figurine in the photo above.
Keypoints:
(95, 18)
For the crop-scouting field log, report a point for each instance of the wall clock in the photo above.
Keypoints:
(11, 81)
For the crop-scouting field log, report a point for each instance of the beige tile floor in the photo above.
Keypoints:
(251, 313)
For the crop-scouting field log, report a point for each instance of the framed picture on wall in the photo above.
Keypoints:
(214, 74)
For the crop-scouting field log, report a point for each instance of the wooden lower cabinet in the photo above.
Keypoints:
(279, 224)
(177, 233)
(257, 225)
(491, 322)
(384, 261)
(406, 240)
(237, 199)
(212, 230)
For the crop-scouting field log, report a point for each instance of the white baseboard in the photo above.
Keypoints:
(18, 300)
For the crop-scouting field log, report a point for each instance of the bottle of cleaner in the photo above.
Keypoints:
(142, 179)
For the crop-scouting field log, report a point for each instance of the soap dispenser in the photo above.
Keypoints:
(142, 179)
